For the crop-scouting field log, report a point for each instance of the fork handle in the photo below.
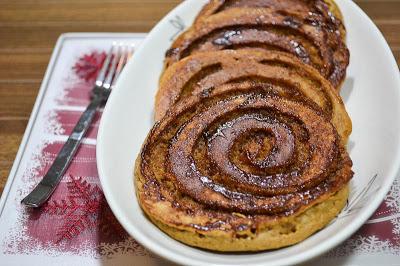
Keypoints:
(41, 193)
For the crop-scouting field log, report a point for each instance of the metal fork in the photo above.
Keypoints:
(113, 64)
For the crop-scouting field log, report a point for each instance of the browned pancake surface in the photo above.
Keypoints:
(272, 72)
(324, 13)
(238, 159)
(266, 28)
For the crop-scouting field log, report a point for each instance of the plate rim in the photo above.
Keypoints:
(304, 256)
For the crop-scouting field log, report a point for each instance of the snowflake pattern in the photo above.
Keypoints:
(85, 209)
(396, 227)
(79, 210)
(109, 250)
(392, 201)
(360, 244)
(89, 65)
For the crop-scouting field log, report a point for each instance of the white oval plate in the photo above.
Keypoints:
(371, 93)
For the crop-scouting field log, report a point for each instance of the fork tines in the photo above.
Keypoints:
(115, 61)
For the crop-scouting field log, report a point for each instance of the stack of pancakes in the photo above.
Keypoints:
(248, 151)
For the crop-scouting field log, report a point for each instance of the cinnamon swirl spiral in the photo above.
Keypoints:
(238, 159)
(271, 72)
(314, 41)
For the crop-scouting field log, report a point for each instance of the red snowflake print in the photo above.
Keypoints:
(89, 65)
(85, 208)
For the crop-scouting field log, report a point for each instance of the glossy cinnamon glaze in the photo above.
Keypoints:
(275, 73)
(317, 12)
(312, 37)
(237, 156)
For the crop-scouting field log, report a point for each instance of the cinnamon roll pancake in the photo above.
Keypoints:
(242, 171)
(323, 12)
(314, 39)
(205, 74)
